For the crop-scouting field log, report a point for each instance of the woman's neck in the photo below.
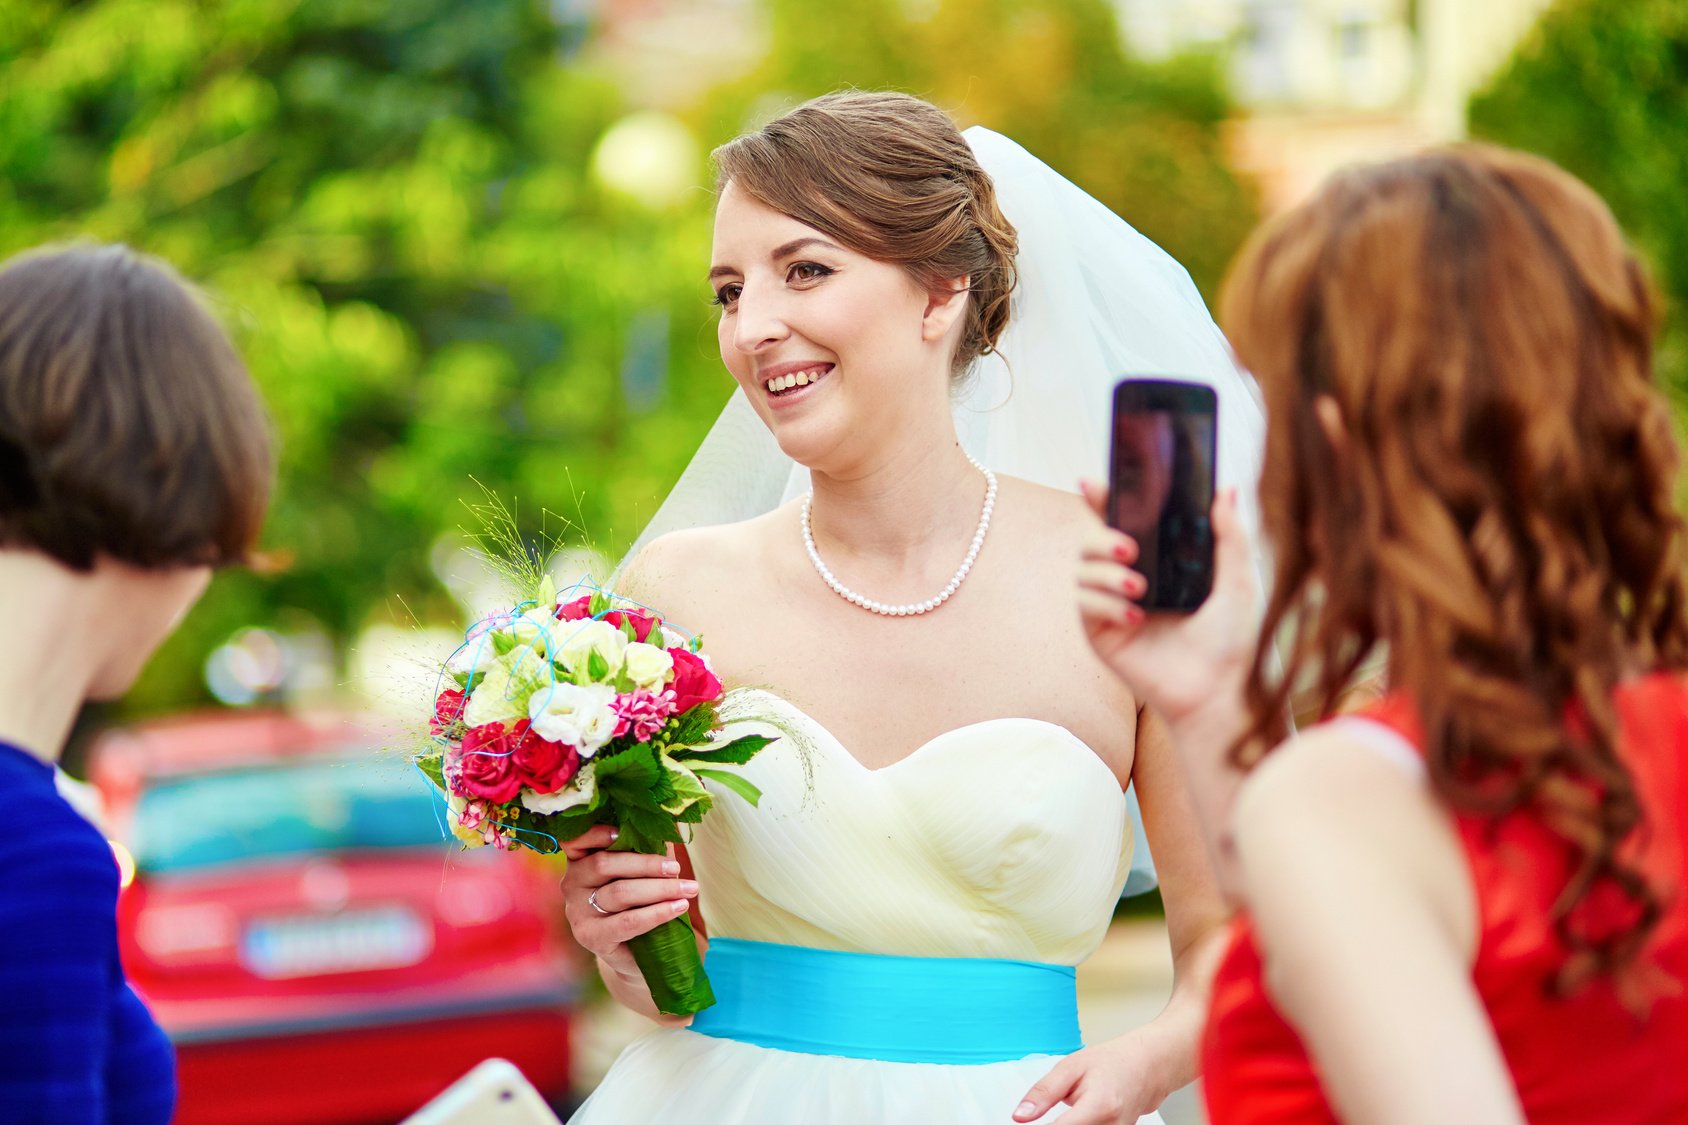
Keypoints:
(50, 651)
(905, 505)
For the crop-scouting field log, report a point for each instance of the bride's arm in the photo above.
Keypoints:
(1124, 1078)
(612, 897)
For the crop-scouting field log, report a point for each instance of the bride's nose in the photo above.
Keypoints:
(759, 324)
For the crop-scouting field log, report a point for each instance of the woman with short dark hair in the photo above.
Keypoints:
(134, 458)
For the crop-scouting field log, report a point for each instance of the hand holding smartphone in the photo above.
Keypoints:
(1162, 467)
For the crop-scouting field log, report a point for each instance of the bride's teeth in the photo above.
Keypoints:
(802, 378)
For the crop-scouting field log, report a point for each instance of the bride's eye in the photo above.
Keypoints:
(727, 296)
(807, 271)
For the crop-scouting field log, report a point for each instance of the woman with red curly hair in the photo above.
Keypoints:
(1464, 904)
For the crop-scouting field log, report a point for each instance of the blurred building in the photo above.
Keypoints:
(1324, 83)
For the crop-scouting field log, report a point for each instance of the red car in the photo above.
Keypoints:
(306, 934)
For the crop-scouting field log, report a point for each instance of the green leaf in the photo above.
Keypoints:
(735, 783)
(736, 753)
(600, 603)
(634, 779)
(433, 768)
(467, 681)
(547, 591)
(688, 790)
(597, 668)
(628, 631)
(642, 830)
(503, 642)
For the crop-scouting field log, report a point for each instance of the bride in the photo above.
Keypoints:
(891, 935)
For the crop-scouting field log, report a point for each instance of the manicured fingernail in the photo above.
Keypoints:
(1125, 552)
(1025, 1110)
(679, 905)
(1133, 615)
(688, 887)
(615, 833)
(671, 868)
(1135, 585)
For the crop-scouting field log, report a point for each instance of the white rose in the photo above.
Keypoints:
(474, 656)
(671, 639)
(575, 716)
(578, 640)
(646, 665)
(579, 791)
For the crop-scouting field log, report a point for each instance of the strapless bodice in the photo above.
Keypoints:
(1007, 838)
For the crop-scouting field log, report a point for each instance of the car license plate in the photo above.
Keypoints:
(385, 938)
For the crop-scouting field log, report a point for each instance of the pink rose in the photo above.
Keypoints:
(484, 766)
(644, 713)
(544, 766)
(448, 708)
(578, 610)
(693, 682)
(641, 621)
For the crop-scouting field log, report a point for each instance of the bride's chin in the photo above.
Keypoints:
(805, 441)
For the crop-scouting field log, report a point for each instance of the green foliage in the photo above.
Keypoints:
(1053, 74)
(634, 783)
(388, 202)
(1601, 87)
(736, 753)
(729, 780)
(389, 205)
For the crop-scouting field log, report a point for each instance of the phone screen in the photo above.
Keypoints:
(1161, 491)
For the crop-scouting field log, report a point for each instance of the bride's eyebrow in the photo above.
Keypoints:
(784, 250)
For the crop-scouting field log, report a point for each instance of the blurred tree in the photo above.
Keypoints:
(389, 201)
(1601, 87)
(1144, 138)
(400, 207)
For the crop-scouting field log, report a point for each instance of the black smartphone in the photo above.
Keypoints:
(1165, 434)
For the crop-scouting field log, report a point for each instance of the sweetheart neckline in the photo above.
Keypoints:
(1071, 738)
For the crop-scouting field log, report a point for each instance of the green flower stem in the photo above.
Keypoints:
(668, 958)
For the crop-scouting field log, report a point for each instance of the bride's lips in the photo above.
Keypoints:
(790, 382)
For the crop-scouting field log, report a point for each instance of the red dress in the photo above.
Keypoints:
(1585, 1059)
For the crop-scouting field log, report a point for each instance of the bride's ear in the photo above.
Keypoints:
(945, 306)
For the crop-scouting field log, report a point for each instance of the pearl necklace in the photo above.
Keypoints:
(913, 609)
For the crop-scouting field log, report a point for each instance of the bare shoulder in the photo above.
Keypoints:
(685, 572)
(1054, 520)
(1325, 778)
(1326, 810)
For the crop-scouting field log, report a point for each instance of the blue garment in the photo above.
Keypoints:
(77, 1046)
(956, 1010)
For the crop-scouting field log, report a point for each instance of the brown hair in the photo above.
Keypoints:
(890, 177)
(1498, 509)
(128, 425)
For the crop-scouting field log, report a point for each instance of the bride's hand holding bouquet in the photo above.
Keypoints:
(586, 725)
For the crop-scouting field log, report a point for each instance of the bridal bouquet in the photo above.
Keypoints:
(565, 712)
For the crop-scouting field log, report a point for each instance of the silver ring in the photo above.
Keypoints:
(592, 901)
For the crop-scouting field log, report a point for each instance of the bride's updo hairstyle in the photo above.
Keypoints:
(890, 177)
(1497, 503)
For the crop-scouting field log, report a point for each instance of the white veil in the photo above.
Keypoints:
(1095, 301)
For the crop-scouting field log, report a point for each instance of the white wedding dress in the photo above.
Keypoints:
(1006, 839)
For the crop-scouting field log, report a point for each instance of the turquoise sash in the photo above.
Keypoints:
(965, 1010)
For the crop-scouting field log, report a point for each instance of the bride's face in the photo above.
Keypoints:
(831, 347)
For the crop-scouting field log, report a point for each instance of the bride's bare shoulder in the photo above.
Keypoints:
(685, 572)
(1057, 516)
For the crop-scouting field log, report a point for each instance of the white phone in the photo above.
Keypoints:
(494, 1093)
